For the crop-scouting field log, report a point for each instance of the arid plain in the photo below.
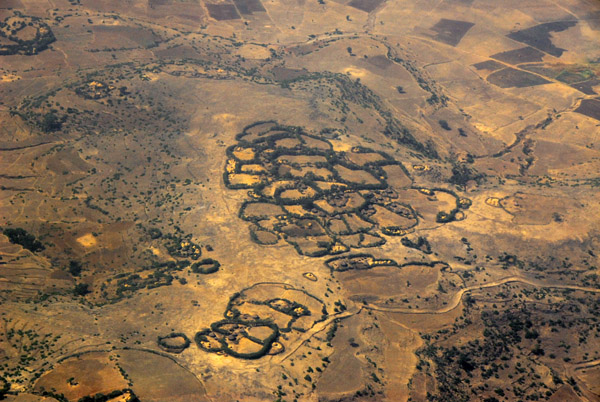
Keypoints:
(277, 200)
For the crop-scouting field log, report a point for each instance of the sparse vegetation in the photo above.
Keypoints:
(429, 187)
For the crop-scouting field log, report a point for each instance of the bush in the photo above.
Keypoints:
(444, 124)
(50, 123)
(538, 351)
(461, 174)
(5, 387)
(75, 268)
(155, 233)
(81, 289)
(421, 244)
(21, 237)
(445, 217)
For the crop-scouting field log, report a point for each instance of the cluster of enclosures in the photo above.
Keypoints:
(323, 201)
(187, 255)
(257, 321)
(23, 34)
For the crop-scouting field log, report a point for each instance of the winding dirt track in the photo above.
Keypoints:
(458, 296)
(455, 302)
(585, 365)
(17, 148)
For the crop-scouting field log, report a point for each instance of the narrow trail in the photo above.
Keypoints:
(319, 327)
(585, 365)
(26, 146)
(456, 300)
(572, 371)
(458, 296)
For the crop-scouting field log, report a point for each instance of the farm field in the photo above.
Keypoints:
(324, 201)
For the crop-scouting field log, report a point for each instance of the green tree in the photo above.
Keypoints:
(75, 268)
(21, 237)
(81, 289)
(50, 123)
